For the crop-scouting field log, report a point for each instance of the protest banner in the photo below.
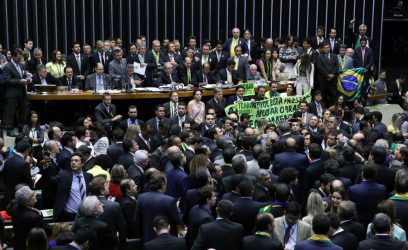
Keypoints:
(273, 110)
(249, 88)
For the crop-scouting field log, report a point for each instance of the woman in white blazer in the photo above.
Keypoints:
(304, 72)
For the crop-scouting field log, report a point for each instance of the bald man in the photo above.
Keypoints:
(184, 71)
(290, 158)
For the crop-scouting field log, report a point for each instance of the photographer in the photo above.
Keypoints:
(230, 128)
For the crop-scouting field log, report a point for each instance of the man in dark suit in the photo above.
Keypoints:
(164, 239)
(177, 179)
(42, 77)
(234, 41)
(68, 143)
(16, 170)
(385, 175)
(132, 120)
(203, 76)
(36, 60)
(241, 64)
(129, 147)
(262, 239)
(128, 205)
(25, 217)
(79, 62)
(69, 79)
(170, 107)
(105, 113)
(137, 170)
(261, 189)
(201, 213)
(397, 88)
(400, 201)
(115, 150)
(290, 158)
(285, 129)
(72, 186)
(168, 75)
(314, 170)
(229, 74)
(340, 237)
(347, 216)
(170, 56)
(363, 56)
(152, 61)
(101, 56)
(130, 80)
(383, 239)
(181, 116)
(318, 38)
(367, 194)
(238, 97)
(111, 210)
(251, 46)
(220, 58)
(221, 233)
(307, 48)
(246, 209)
(185, 72)
(327, 71)
(333, 41)
(159, 117)
(144, 138)
(14, 91)
(218, 103)
(154, 203)
(316, 107)
(98, 81)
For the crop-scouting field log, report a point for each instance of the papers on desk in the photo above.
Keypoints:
(148, 89)
(47, 212)
(138, 69)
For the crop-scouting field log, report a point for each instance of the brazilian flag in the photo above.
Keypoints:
(351, 83)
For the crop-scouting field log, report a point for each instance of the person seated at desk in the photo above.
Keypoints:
(203, 77)
(98, 81)
(168, 75)
(254, 75)
(42, 77)
(229, 74)
(68, 79)
(130, 80)
(185, 72)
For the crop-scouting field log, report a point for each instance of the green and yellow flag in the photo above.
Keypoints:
(351, 83)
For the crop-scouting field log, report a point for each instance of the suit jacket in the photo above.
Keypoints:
(72, 61)
(261, 194)
(221, 63)
(124, 124)
(219, 234)
(152, 122)
(115, 151)
(350, 171)
(402, 211)
(313, 108)
(198, 78)
(164, 57)
(355, 228)
(117, 69)
(222, 76)
(312, 174)
(226, 181)
(397, 94)
(125, 81)
(37, 80)
(138, 176)
(176, 119)
(12, 86)
(241, 42)
(366, 197)
(368, 58)
(245, 212)
(252, 50)
(128, 208)
(315, 42)
(177, 182)
(313, 245)
(345, 240)
(279, 146)
(336, 45)
(182, 74)
(114, 218)
(243, 68)
(23, 220)
(324, 68)
(31, 65)
(105, 238)
(219, 109)
(142, 145)
(164, 79)
(16, 171)
(166, 241)
(103, 116)
(304, 230)
(151, 68)
(95, 58)
(127, 160)
(348, 62)
(64, 183)
(150, 205)
(64, 159)
(381, 242)
(260, 242)
(385, 176)
(198, 216)
(290, 159)
(75, 82)
(90, 82)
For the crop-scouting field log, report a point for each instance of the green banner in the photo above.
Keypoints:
(249, 88)
(274, 110)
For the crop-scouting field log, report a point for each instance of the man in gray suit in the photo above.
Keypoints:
(117, 67)
(15, 91)
(98, 81)
(241, 64)
(345, 62)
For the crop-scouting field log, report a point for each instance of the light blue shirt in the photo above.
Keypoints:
(292, 238)
(99, 83)
(75, 199)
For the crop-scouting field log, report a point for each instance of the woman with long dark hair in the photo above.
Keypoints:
(304, 72)
(33, 130)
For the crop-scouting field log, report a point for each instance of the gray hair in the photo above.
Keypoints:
(362, 26)
(99, 42)
(263, 173)
(239, 162)
(140, 156)
(156, 42)
(40, 67)
(253, 66)
(38, 49)
(383, 144)
(22, 195)
(382, 223)
(167, 64)
(88, 205)
(48, 145)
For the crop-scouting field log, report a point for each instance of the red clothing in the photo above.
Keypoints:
(114, 190)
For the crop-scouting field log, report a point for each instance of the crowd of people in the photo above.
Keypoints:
(334, 176)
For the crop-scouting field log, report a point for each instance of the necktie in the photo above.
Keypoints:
(174, 109)
(171, 78)
(69, 82)
(328, 57)
(79, 62)
(204, 78)
(218, 56)
(188, 76)
(100, 83)
(234, 43)
(362, 56)
(102, 59)
(19, 71)
(171, 58)
(342, 62)
(81, 187)
(319, 109)
(287, 235)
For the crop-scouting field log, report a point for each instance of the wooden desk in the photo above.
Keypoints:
(88, 95)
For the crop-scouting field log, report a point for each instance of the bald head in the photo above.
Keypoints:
(173, 149)
(291, 144)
